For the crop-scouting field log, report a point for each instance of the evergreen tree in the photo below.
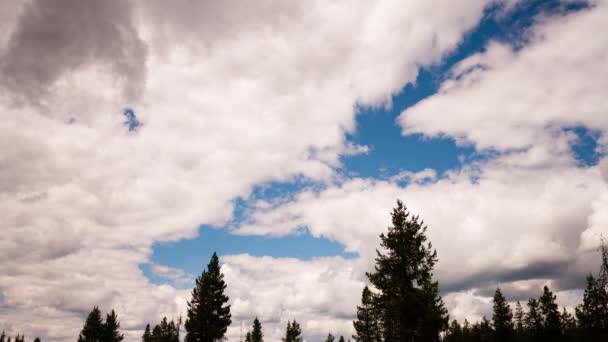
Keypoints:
(330, 338)
(147, 336)
(2, 336)
(293, 332)
(248, 336)
(366, 325)
(93, 329)
(208, 312)
(341, 339)
(454, 333)
(165, 331)
(502, 318)
(552, 324)
(592, 314)
(256, 332)
(409, 303)
(37, 339)
(519, 320)
(568, 325)
(110, 328)
(534, 320)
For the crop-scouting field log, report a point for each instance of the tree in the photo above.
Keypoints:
(330, 338)
(208, 311)
(366, 325)
(147, 336)
(293, 332)
(248, 336)
(519, 320)
(110, 328)
(552, 324)
(256, 333)
(568, 324)
(592, 314)
(37, 339)
(165, 331)
(341, 339)
(409, 303)
(502, 318)
(2, 336)
(93, 329)
(534, 320)
(454, 333)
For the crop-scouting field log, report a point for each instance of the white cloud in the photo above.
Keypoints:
(504, 98)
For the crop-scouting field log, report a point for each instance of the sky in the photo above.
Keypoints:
(138, 137)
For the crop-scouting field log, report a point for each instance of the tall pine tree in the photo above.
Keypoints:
(502, 318)
(256, 331)
(110, 328)
(93, 329)
(409, 303)
(366, 325)
(208, 311)
(552, 323)
(293, 332)
(147, 336)
(592, 314)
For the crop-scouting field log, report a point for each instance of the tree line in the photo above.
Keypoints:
(402, 304)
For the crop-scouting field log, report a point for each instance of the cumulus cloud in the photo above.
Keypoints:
(507, 98)
(58, 37)
(252, 95)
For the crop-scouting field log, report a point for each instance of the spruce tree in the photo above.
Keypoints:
(293, 332)
(147, 336)
(502, 318)
(93, 329)
(165, 331)
(534, 320)
(256, 331)
(366, 325)
(408, 301)
(110, 328)
(552, 325)
(592, 314)
(248, 336)
(519, 317)
(330, 338)
(208, 311)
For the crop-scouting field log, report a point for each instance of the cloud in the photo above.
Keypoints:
(505, 98)
(254, 94)
(55, 38)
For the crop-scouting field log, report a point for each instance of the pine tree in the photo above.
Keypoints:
(534, 320)
(165, 331)
(330, 338)
(592, 314)
(2, 336)
(341, 339)
(37, 339)
(208, 312)
(366, 325)
(248, 336)
(110, 328)
(502, 318)
(519, 321)
(93, 329)
(293, 332)
(256, 332)
(568, 324)
(552, 325)
(147, 336)
(409, 303)
(454, 333)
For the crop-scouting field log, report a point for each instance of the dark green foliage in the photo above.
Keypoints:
(147, 336)
(330, 338)
(534, 320)
(519, 318)
(455, 333)
(165, 331)
(208, 311)
(366, 325)
(552, 324)
(409, 305)
(248, 336)
(502, 318)
(293, 333)
(341, 339)
(93, 329)
(110, 329)
(592, 314)
(256, 332)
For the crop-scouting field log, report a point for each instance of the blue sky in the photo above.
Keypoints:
(390, 152)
